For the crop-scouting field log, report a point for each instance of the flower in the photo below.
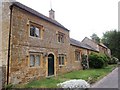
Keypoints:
(74, 84)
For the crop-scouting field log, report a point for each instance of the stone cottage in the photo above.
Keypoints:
(100, 47)
(38, 45)
(34, 46)
(77, 49)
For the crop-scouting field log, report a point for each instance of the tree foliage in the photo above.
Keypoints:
(112, 40)
(95, 38)
(97, 60)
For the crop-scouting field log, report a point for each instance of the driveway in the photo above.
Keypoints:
(110, 81)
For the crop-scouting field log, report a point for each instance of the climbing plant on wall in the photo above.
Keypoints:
(84, 61)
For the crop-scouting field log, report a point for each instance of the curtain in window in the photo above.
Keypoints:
(32, 30)
(37, 63)
(37, 32)
(32, 60)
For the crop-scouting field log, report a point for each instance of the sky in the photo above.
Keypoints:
(81, 17)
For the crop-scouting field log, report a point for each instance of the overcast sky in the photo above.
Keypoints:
(81, 17)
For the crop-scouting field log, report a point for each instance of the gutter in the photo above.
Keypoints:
(34, 12)
(11, 7)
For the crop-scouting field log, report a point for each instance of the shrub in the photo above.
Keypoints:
(113, 60)
(97, 60)
(8, 87)
(74, 84)
(105, 58)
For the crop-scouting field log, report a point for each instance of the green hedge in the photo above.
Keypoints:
(97, 60)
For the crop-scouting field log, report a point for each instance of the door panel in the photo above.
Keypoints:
(50, 64)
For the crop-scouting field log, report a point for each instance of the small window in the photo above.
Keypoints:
(61, 59)
(61, 37)
(34, 60)
(77, 56)
(35, 31)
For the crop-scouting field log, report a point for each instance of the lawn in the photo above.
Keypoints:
(90, 75)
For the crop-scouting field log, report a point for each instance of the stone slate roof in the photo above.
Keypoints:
(38, 14)
(81, 44)
(101, 44)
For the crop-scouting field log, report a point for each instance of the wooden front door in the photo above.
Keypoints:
(50, 64)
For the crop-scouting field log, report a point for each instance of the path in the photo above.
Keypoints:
(110, 81)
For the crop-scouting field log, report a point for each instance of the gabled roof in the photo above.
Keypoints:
(101, 44)
(38, 14)
(89, 39)
(81, 44)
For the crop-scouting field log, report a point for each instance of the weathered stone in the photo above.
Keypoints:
(22, 44)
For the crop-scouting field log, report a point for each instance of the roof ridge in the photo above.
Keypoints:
(81, 44)
(38, 14)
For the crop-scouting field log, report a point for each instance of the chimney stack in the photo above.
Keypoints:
(52, 14)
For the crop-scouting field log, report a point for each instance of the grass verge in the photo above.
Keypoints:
(90, 75)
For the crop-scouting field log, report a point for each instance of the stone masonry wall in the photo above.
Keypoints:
(76, 65)
(0, 44)
(4, 37)
(22, 44)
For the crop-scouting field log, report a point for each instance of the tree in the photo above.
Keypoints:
(95, 38)
(112, 40)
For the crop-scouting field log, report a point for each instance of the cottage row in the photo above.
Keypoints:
(34, 46)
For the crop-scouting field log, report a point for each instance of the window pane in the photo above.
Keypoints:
(37, 63)
(59, 58)
(62, 38)
(37, 32)
(32, 60)
(77, 56)
(58, 37)
(62, 60)
(32, 30)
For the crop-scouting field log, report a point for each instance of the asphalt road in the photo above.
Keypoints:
(110, 81)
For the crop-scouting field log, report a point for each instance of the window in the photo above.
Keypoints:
(36, 30)
(61, 59)
(77, 55)
(34, 60)
(61, 37)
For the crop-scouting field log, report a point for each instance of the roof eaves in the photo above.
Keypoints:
(81, 45)
(38, 14)
(101, 44)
